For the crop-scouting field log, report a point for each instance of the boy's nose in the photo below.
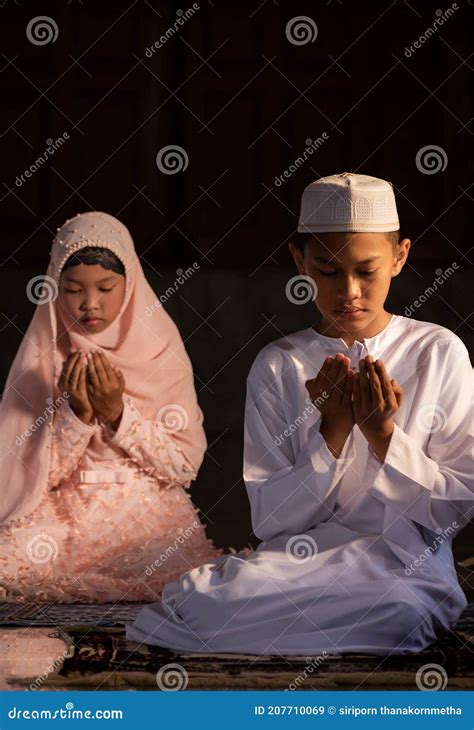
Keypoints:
(349, 291)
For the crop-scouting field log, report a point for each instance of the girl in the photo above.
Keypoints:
(357, 483)
(101, 433)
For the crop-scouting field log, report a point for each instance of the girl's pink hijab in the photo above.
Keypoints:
(143, 342)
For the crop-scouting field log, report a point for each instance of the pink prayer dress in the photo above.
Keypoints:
(116, 522)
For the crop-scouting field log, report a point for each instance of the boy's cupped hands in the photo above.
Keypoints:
(368, 398)
(94, 387)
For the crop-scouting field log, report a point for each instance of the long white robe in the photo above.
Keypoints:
(356, 554)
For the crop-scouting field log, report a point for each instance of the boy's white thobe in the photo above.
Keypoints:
(356, 554)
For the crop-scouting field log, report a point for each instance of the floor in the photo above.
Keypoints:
(93, 656)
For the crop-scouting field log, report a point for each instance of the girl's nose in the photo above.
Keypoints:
(89, 303)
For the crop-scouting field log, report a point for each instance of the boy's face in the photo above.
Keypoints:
(91, 292)
(350, 270)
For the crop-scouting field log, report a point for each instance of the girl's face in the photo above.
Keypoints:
(351, 270)
(91, 295)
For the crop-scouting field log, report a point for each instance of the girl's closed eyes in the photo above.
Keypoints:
(78, 291)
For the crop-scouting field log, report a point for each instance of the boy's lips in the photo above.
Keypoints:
(353, 313)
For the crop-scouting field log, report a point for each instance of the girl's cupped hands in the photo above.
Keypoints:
(94, 387)
(105, 386)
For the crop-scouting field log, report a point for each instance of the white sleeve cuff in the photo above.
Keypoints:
(406, 472)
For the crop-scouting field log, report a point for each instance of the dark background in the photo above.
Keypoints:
(242, 100)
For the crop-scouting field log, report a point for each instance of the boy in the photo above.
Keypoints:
(357, 463)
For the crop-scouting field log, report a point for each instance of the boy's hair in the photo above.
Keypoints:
(300, 239)
(91, 255)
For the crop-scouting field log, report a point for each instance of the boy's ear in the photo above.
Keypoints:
(401, 256)
(298, 257)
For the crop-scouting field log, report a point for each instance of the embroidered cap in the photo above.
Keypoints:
(348, 202)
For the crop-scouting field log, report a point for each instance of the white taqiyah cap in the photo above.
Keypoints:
(348, 202)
